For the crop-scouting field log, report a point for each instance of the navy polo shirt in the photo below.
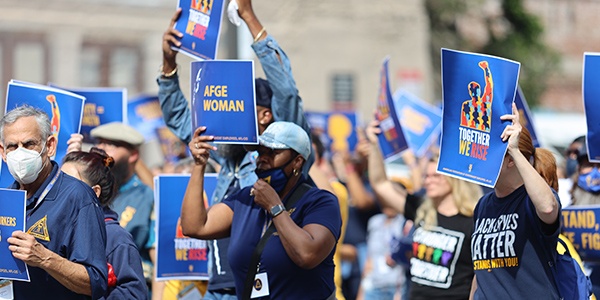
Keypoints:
(286, 279)
(124, 257)
(70, 223)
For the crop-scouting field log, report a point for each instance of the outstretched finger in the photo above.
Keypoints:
(360, 133)
(199, 131)
(172, 40)
(175, 16)
(174, 32)
(515, 113)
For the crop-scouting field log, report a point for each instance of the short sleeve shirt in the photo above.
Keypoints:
(507, 250)
(68, 222)
(440, 266)
(286, 279)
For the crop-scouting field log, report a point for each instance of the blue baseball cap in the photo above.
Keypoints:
(284, 135)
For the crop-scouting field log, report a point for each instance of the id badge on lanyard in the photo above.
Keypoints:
(261, 286)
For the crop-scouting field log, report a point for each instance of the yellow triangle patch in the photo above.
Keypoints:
(40, 230)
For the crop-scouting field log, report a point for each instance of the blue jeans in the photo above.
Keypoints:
(216, 296)
(384, 293)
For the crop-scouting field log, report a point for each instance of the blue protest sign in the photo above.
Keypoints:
(525, 116)
(420, 121)
(580, 224)
(200, 23)
(102, 106)
(223, 100)
(12, 218)
(591, 102)
(392, 141)
(172, 147)
(336, 129)
(476, 90)
(64, 109)
(178, 256)
(145, 115)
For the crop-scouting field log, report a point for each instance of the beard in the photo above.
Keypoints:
(231, 151)
(121, 172)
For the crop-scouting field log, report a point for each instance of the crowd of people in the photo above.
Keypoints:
(289, 220)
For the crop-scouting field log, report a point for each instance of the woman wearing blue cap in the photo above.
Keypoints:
(295, 224)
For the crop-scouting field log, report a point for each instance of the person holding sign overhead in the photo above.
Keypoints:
(277, 100)
(283, 231)
(66, 261)
(440, 266)
(517, 223)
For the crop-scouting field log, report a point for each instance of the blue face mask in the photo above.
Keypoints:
(571, 167)
(275, 177)
(590, 182)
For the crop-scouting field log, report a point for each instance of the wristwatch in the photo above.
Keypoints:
(276, 210)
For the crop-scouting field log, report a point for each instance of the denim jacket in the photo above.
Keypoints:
(286, 105)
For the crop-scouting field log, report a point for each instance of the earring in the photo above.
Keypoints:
(295, 172)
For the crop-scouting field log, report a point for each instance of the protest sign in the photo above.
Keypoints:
(172, 147)
(223, 100)
(12, 218)
(200, 24)
(337, 130)
(591, 102)
(525, 116)
(476, 89)
(102, 106)
(391, 140)
(420, 121)
(64, 109)
(144, 114)
(580, 224)
(178, 256)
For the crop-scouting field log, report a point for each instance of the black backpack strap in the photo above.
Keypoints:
(252, 267)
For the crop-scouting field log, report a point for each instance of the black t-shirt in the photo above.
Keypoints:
(441, 266)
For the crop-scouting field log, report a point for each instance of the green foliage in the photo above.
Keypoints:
(521, 40)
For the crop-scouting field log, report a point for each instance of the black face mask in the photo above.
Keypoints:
(231, 151)
(121, 171)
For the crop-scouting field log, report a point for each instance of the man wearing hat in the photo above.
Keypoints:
(276, 99)
(134, 200)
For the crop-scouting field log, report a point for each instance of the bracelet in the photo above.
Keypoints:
(170, 74)
(259, 35)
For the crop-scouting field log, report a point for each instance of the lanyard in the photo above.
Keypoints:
(266, 225)
(44, 193)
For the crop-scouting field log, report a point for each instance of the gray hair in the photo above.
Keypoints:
(15, 114)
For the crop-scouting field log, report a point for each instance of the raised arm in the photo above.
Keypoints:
(539, 191)
(286, 104)
(196, 221)
(174, 106)
(385, 190)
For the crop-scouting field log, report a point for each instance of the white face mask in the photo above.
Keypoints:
(25, 165)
